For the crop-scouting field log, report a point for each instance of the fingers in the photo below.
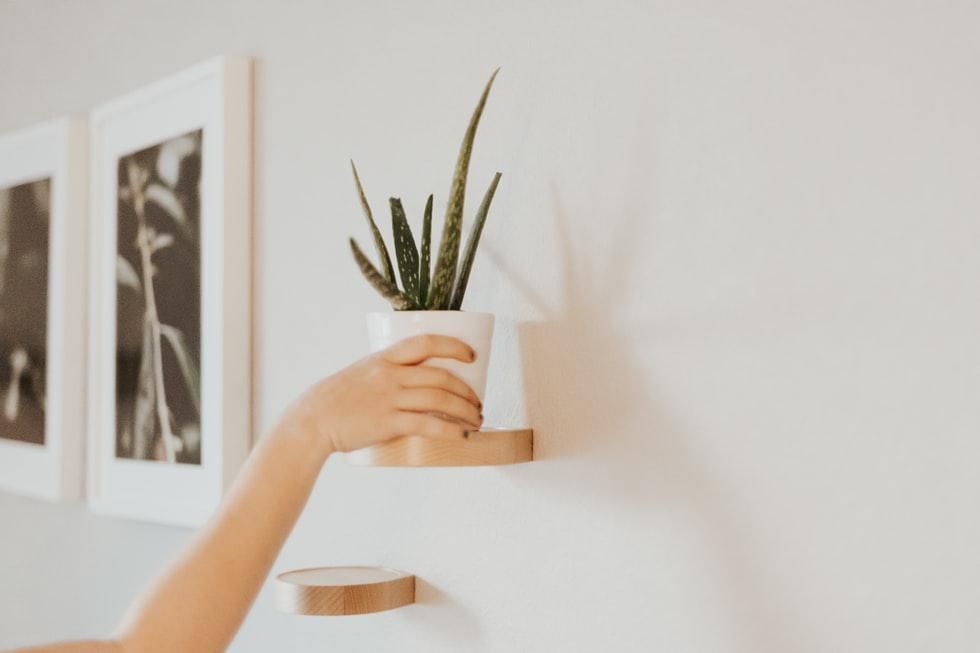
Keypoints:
(422, 376)
(419, 349)
(433, 400)
(429, 426)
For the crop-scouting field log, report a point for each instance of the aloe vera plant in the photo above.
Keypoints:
(422, 287)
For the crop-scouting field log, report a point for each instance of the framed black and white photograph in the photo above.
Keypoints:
(171, 312)
(42, 300)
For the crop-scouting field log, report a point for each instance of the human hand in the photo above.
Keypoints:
(390, 394)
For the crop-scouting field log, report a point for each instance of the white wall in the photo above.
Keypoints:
(734, 253)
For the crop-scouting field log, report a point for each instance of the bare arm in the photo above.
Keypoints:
(199, 602)
(76, 647)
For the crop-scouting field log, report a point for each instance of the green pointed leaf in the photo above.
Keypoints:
(387, 289)
(379, 242)
(406, 250)
(424, 263)
(445, 272)
(188, 366)
(471, 245)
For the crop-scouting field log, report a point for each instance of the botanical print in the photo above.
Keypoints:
(158, 306)
(24, 221)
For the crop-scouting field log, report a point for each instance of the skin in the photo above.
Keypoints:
(198, 603)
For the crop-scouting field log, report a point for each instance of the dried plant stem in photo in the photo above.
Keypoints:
(152, 354)
(158, 396)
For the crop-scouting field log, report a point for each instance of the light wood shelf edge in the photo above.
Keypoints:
(481, 448)
(294, 595)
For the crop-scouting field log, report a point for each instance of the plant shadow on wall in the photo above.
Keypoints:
(158, 302)
(593, 405)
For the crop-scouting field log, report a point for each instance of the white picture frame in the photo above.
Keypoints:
(214, 101)
(55, 150)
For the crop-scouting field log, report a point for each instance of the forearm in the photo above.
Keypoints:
(199, 602)
(106, 646)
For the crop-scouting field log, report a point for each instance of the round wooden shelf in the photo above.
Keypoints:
(484, 447)
(332, 591)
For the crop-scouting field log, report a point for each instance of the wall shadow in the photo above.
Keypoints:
(442, 614)
(593, 405)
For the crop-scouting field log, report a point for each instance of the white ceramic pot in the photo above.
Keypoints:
(475, 329)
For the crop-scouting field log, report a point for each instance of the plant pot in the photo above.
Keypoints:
(475, 329)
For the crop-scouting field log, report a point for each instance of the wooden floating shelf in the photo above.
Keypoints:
(336, 591)
(484, 447)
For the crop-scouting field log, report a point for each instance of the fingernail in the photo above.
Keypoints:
(472, 354)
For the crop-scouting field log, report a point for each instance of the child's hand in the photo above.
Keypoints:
(390, 394)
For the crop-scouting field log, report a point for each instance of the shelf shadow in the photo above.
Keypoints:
(442, 614)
